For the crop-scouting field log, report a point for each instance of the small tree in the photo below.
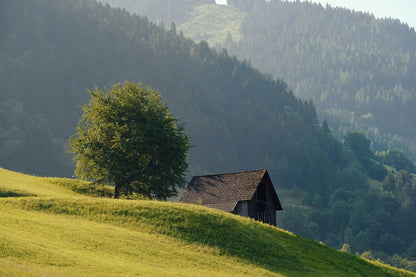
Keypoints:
(346, 248)
(127, 137)
(360, 145)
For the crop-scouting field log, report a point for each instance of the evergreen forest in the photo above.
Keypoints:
(340, 192)
(358, 70)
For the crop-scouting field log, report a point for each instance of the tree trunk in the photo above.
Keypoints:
(116, 191)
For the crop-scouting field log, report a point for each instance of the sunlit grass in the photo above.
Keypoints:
(217, 233)
(39, 186)
(62, 233)
(41, 244)
(213, 22)
(15, 184)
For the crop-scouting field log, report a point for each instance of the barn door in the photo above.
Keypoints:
(261, 212)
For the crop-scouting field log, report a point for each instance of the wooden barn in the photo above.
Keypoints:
(249, 193)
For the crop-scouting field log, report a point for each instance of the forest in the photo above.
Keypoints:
(236, 117)
(358, 70)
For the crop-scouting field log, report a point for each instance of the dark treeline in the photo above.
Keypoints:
(237, 117)
(359, 71)
(51, 52)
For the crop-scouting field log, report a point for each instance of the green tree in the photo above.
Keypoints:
(128, 138)
(360, 145)
(397, 159)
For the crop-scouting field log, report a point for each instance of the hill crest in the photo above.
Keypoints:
(77, 224)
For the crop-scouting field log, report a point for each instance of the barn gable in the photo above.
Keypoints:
(248, 193)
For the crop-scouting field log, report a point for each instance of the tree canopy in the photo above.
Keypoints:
(127, 137)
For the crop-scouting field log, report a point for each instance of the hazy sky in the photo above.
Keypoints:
(405, 10)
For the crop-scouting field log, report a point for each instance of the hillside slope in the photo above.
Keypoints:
(358, 70)
(225, 103)
(77, 235)
(325, 54)
(14, 184)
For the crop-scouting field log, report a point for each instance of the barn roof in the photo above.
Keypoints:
(224, 191)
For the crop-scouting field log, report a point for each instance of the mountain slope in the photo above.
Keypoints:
(358, 70)
(236, 117)
(82, 235)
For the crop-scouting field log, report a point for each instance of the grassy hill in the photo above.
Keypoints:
(49, 229)
(213, 23)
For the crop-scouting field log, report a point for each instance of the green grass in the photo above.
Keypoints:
(42, 244)
(15, 184)
(70, 234)
(212, 23)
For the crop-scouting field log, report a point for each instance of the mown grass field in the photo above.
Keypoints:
(48, 229)
(212, 23)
